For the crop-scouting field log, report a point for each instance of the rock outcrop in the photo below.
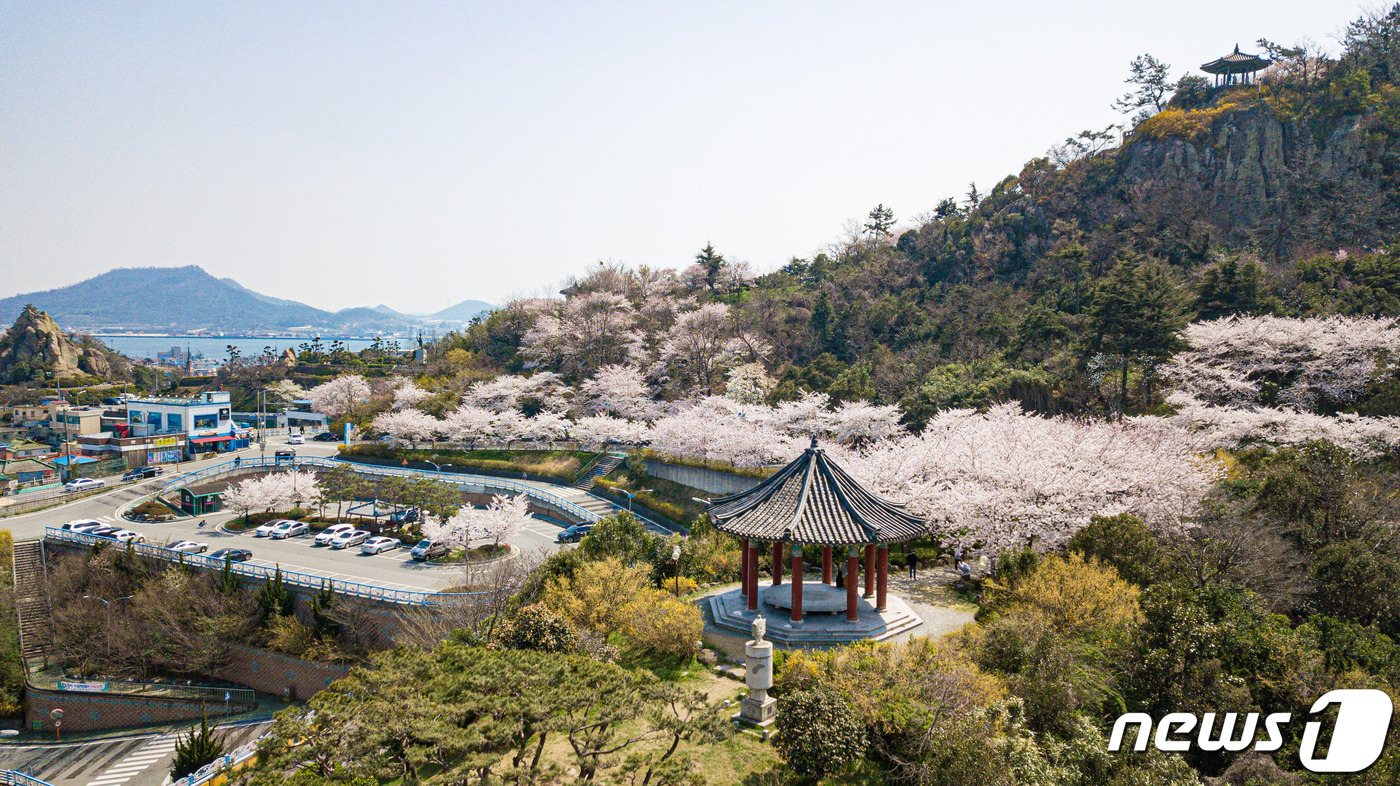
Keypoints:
(36, 346)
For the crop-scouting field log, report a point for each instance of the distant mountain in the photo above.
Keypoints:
(462, 312)
(185, 299)
(383, 309)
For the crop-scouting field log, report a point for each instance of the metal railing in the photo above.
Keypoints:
(462, 479)
(211, 694)
(259, 573)
(20, 779)
(222, 764)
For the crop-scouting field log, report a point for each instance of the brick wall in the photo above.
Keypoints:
(268, 672)
(95, 712)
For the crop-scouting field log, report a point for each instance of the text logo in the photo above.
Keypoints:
(1363, 719)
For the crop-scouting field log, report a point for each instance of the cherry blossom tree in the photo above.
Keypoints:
(1365, 438)
(408, 395)
(584, 334)
(470, 423)
(617, 390)
(808, 415)
(1310, 362)
(696, 345)
(862, 423)
(545, 426)
(1003, 478)
(601, 428)
(748, 384)
(510, 391)
(410, 425)
(500, 520)
(718, 429)
(340, 396)
(279, 490)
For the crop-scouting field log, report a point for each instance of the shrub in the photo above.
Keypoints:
(680, 587)
(537, 627)
(1123, 542)
(818, 734)
(659, 623)
(595, 596)
(1077, 596)
(296, 514)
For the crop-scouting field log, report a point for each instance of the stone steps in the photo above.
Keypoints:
(605, 465)
(31, 601)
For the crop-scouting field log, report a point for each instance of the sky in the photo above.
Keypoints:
(420, 154)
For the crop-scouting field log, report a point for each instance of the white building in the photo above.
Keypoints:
(205, 420)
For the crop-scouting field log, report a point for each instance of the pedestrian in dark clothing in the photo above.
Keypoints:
(841, 577)
(912, 560)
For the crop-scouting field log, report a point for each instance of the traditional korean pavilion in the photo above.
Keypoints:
(1236, 68)
(812, 506)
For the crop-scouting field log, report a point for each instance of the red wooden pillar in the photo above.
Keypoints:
(777, 562)
(797, 582)
(882, 577)
(744, 567)
(870, 571)
(852, 576)
(826, 564)
(753, 578)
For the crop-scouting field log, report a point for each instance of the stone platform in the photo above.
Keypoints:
(817, 598)
(728, 611)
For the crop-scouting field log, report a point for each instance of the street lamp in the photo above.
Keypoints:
(108, 604)
(631, 495)
(436, 466)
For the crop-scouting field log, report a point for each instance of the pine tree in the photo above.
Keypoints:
(712, 262)
(276, 597)
(196, 750)
(880, 221)
(321, 619)
(229, 583)
(1231, 288)
(1136, 316)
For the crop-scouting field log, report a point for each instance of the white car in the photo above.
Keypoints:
(266, 529)
(288, 529)
(353, 537)
(296, 439)
(325, 536)
(189, 547)
(379, 545)
(128, 536)
(84, 484)
(81, 525)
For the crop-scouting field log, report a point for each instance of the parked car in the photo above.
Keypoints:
(379, 545)
(232, 555)
(574, 534)
(325, 436)
(84, 484)
(289, 529)
(128, 536)
(82, 525)
(141, 473)
(325, 536)
(353, 537)
(189, 547)
(284, 454)
(104, 531)
(296, 439)
(406, 516)
(266, 529)
(428, 548)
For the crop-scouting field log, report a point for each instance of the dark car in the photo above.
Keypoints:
(574, 534)
(404, 516)
(429, 549)
(233, 555)
(325, 436)
(104, 532)
(141, 473)
(111, 402)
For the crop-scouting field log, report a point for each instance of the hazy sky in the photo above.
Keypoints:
(419, 154)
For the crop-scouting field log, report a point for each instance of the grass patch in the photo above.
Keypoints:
(562, 464)
(478, 554)
(670, 499)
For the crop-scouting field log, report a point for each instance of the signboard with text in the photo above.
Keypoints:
(83, 687)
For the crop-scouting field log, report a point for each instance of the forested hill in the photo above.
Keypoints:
(1065, 284)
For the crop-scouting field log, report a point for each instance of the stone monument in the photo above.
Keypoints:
(759, 708)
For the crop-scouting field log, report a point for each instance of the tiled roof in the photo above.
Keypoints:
(813, 501)
(1236, 62)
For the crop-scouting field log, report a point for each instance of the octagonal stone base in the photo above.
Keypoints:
(728, 612)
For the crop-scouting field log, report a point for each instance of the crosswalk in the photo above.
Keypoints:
(150, 753)
(119, 762)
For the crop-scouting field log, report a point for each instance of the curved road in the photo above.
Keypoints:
(393, 569)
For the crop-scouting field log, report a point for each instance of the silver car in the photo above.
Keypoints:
(347, 539)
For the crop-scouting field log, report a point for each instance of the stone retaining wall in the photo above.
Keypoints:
(712, 480)
(269, 672)
(96, 711)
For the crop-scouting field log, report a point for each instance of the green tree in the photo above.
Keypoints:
(195, 750)
(818, 733)
(229, 582)
(1231, 288)
(322, 621)
(275, 598)
(1148, 76)
(1136, 317)
(712, 262)
(880, 221)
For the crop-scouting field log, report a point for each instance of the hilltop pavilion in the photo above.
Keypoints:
(812, 507)
(1236, 68)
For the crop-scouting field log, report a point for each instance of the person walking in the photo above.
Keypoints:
(912, 560)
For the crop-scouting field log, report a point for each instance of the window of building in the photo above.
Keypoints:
(174, 422)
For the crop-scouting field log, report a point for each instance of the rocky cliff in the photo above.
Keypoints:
(35, 346)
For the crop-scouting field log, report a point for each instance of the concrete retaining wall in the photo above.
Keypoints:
(711, 480)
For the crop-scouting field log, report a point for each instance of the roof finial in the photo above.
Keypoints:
(814, 441)
(1237, 48)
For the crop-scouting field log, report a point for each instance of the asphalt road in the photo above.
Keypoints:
(393, 569)
(131, 761)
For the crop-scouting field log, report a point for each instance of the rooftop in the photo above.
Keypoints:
(814, 501)
(1236, 62)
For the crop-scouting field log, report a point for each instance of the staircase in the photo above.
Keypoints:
(589, 502)
(600, 468)
(32, 601)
